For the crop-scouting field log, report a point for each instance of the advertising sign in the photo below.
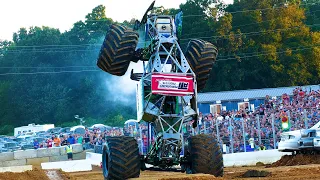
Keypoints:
(172, 84)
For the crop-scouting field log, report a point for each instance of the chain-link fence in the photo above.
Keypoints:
(235, 132)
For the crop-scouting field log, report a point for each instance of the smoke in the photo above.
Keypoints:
(122, 89)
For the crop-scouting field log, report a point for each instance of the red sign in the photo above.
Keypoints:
(172, 84)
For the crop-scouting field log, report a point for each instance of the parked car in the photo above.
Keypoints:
(40, 132)
(27, 146)
(39, 139)
(2, 147)
(11, 146)
(8, 139)
(77, 130)
(53, 130)
(64, 130)
(24, 138)
(19, 140)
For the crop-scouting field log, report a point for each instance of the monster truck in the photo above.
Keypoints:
(166, 97)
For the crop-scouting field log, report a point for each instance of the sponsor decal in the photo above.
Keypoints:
(173, 85)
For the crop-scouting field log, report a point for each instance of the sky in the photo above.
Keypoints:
(63, 13)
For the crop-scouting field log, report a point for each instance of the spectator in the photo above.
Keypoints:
(64, 142)
(262, 147)
(99, 141)
(71, 140)
(87, 137)
(49, 143)
(80, 139)
(56, 141)
(251, 142)
(36, 144)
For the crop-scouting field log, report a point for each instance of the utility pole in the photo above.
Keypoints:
(80, 119)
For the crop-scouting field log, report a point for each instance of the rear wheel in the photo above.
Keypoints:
(117, 50)
(201, 56)
(120, 158)
(205, 155)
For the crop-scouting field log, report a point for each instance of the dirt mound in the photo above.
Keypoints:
(260, 164)
(35, 174)
(256, 173)
(299, 159)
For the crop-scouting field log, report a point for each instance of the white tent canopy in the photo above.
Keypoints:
(76, 127)
(131, 121)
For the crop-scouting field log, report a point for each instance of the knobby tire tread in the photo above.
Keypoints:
(117, 50)
(123, 158)
(201, 56)
(206, 155)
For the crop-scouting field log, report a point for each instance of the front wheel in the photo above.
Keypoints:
(120, 158)
(117, 50)
(205, 155)
(201, 56)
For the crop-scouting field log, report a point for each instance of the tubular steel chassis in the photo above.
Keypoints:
(166, 49)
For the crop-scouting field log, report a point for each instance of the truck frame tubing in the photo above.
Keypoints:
(169, 142)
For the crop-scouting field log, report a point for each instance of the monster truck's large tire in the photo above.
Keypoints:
(201, 56)
(205, 155)
(117, 50)
(120, 158)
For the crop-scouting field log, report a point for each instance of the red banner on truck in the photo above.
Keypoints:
(172, 84)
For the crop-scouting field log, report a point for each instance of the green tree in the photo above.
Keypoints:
(263, 48)
(56, 98)
(313, 13)
(93, 29)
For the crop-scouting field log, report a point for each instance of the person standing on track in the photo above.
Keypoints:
(68, 149)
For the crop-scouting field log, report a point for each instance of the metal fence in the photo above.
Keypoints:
(238, 134)
(234, 133)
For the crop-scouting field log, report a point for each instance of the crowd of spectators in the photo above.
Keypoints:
(89, 139)
(302, 109)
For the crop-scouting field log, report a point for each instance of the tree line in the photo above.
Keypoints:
(48, 76)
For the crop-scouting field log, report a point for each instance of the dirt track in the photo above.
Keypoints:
(288, 167)
(36, 174)
(283, 173)
(293, 170)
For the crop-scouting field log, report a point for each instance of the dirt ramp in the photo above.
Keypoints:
(300, 159)
(35, 174)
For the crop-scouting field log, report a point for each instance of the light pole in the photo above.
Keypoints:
(81, 119)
